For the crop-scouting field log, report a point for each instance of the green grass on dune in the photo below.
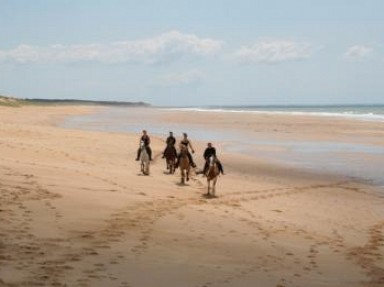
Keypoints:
(14, 102)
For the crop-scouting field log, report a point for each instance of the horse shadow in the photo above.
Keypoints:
(142, 174)
(167, 172)
(182, 184)
(209, 196)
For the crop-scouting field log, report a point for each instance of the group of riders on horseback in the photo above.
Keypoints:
(185, 144)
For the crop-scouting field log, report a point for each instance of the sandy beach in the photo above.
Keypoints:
(76, 211)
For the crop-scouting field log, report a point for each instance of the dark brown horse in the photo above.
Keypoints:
(170, 158)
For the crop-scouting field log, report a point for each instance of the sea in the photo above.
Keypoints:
(362, 112)
(363, 162)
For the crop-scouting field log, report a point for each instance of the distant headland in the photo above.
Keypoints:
(16, 102)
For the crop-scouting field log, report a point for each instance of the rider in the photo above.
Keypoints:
(187, 143)
(170, 141)
(146, 140)
(209, 151)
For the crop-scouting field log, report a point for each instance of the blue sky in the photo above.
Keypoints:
(181, 53)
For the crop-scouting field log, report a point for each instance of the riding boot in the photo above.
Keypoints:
(191, 160)
(220, 166)
(205, 169)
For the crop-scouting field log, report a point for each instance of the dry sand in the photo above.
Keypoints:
(75, 210)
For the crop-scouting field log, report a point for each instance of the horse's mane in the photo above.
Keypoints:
(183, 149)
(170, 150)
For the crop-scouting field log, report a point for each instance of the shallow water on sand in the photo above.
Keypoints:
(361, 161)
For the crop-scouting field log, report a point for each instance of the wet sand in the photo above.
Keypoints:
(75, 210)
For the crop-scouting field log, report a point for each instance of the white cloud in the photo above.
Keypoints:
(162, 48)
(273, 51)
(186, 78)
(358, 52)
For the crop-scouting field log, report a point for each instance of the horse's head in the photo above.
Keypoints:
(142, 144)
(212, 160)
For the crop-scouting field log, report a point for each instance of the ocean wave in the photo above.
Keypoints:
(359, 115)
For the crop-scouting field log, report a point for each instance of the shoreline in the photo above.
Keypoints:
(373, 113)
(76, 211)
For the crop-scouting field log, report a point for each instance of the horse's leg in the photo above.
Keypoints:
(174, 165)
(214, 186)
(209, 185)
(143, 168)
(170, 166)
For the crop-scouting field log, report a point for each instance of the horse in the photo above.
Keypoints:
(212, 175)
(144, 159)
(184, 164)
(170, 158)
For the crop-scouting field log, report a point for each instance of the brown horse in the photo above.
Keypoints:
(170, 158)
(184, 164)
(212, 175)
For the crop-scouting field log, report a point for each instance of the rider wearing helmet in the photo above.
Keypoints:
(146, 140)
(211, 151)
(170, 141)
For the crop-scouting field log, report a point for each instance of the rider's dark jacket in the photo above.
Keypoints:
(146, 140)
(171, 140)
(208, 152)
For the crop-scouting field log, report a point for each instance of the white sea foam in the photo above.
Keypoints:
(350, 114)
